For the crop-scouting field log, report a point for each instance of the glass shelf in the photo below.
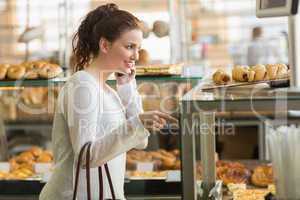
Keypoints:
(32, 83)
(176, 78)
(60, 81)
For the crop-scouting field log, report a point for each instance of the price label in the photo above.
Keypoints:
(145, 166)
(173, 176)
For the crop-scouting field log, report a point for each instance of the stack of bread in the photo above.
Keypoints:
(29, 70)
(252, 74)
(22, 165)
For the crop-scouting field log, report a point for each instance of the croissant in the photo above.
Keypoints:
(271, 72)
(220, 77)
(240, 73)
(276, 71)
(257, 73)
(282, 71)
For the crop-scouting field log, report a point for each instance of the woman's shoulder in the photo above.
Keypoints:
(82, 77)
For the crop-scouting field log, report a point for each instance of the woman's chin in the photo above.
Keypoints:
(126, 71)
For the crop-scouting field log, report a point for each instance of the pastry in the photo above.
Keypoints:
(25, 157)
(44, 158)
(282, 71)
(168, 162)
(50, 71)
(176, 152)
(232, 172)
(16, 72)
(276, 71)
(220, 77)
(3, 175)
(35, 151)
(3, 71)
(240, 73)
(262, 176)
(32, 69)
(177, 165)
(257, 73)
(233, 175)
(271, 72)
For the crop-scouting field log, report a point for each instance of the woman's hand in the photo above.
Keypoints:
(156, 120)
(124, 78)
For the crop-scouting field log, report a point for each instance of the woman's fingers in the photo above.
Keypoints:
(163, 121)
(156, 120)
(156, 126)
(167, 117)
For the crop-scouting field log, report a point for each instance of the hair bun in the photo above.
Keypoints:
(109, 8)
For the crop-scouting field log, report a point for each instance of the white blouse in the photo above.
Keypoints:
(86, 112)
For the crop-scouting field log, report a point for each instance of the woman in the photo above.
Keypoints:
(107, 41)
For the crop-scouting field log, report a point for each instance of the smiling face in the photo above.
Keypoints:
(123, 52)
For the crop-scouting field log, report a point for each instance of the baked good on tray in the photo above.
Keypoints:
(29, 70)
(276, 71)
(220, 77)
(257, 73)
(50, 71)
(32, 69)
(16, 72)
(159, 69)
(254, 73)
(240, 73)
(262, 176)
(3, 71)
(232, 172)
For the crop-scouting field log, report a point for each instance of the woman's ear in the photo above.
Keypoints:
(104, 45)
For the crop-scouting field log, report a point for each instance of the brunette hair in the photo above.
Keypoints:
(106, 21)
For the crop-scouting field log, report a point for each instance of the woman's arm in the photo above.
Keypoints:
(132, 102)
(83, 103)
(130, 98)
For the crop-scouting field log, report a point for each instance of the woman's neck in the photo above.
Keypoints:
(97, 69)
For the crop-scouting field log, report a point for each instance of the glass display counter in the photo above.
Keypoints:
(200, 111)
(24, 129)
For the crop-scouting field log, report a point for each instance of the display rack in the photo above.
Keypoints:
(199, 109)
(60, 81)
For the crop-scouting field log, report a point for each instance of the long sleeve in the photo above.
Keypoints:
(132, 102)
(130, 98)
(84, 103)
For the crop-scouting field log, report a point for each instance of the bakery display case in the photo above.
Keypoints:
(27, 112)
(200, 112)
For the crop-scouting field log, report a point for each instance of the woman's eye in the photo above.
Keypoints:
(130, 47)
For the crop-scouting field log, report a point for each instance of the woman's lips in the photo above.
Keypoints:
(130, 64)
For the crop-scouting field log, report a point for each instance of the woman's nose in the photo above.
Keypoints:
(135, 55)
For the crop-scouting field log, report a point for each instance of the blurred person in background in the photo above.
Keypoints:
(262, 50)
